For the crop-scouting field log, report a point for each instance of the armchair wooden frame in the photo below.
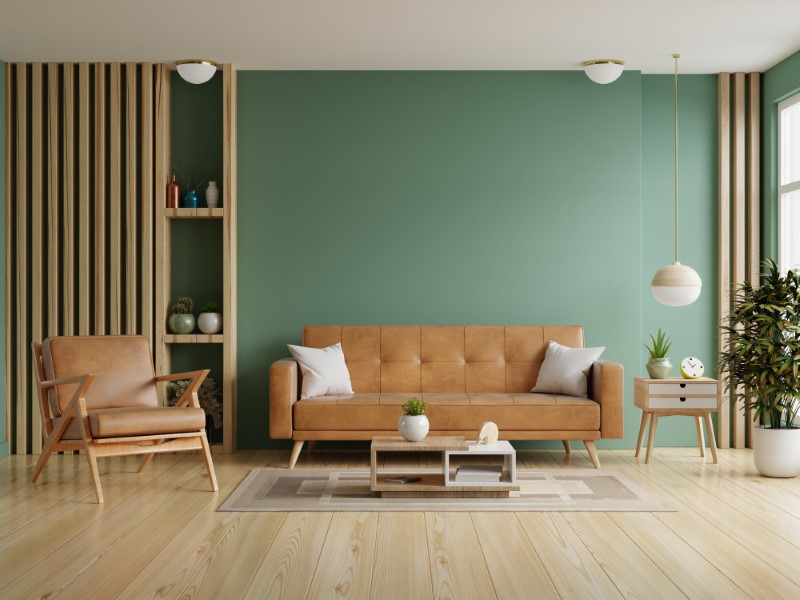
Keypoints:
(53, 428)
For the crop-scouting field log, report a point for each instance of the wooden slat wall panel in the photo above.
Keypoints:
(70, 208)
(739, 258)
(724, 232)
(22, 411)
(753, 193)
(229, 256)
(37, 181)
(163, 289)
(100, 200)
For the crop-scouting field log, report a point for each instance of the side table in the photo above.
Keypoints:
(696, 398)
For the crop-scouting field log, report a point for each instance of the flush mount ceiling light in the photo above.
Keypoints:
(195, 70)
(604, 70)
(676, 284)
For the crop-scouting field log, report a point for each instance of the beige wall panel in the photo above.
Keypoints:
(146, 302)
(100, 199)
(53, 201)
(131, 201)
(724, 224)
(115, 202)
(36, 255)
(9, 250)
(68, 200)
(84, 202)
(738, 196)
(22, 397)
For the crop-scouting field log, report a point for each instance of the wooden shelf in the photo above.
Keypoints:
(194, 213)
(193, 338)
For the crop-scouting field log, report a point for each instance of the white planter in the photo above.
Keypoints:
(776, 452)
(210, 322)
(415, 428)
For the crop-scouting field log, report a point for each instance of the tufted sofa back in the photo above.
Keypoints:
(443, 359)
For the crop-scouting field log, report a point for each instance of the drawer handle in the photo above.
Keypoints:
(683, 399)
(683, 385)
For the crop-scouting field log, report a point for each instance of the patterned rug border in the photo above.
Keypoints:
(242, 499)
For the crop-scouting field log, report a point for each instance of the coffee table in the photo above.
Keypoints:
(443, 484)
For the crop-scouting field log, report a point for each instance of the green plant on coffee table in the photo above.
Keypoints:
(209, 307)
(761, 357)
(209, 395)
(414, 407)
(185, 306)
(660, 345)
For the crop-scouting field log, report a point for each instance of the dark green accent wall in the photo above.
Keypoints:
(3, 440)
(779, 82)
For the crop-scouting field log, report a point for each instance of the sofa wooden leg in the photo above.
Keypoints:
(298, 446)
(567, 447)
(592, 453)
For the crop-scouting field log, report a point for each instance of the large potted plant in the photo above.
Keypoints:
(761, 364)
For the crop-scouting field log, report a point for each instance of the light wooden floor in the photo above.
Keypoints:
(735, 535)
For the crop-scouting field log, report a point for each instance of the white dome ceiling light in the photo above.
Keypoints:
(195, 70)
(604, 70)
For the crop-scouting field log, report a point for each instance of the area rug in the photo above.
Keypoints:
(308, 490)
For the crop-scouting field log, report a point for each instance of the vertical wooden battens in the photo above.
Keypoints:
(229, 255)
(36, 253)
(100, 200)
(131, 201)
(724, 233)
(146, 195)
(68, 199)
(739, 259)
(115, 202)
(10, 348)
(53, 201)
(163, 227)
(21, 267)
(84, 201)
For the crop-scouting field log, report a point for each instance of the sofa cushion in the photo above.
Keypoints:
(565, 370)
(324, 370)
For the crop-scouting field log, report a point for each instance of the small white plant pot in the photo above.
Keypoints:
(776, 452)
(415, 428)
(210, 322)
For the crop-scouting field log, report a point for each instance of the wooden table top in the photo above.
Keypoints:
(429, 444)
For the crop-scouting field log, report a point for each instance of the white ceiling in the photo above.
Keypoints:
(711, 35)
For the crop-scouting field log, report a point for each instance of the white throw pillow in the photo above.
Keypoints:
(564, 370)
(324, 370)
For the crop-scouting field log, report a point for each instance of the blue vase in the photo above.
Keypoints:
(190, 199)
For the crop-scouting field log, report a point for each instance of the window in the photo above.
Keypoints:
(789, 183)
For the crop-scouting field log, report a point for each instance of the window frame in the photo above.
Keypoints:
(791, 186)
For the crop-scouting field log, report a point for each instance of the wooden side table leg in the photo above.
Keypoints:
(700, 438)
(651, 437)
(641, 433)
(712, 442)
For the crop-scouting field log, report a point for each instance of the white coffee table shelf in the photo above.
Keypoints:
(502, 449)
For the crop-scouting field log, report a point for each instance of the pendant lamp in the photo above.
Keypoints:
(676, 284)
(604, 70)
(195, 70)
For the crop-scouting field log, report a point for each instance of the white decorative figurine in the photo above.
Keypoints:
(487, 434)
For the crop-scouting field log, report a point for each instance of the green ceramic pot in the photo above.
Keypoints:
(181, 324)
(659, 368)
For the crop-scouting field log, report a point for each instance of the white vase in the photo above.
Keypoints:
(210, 322)
(212, 195)
(413, 428)
(776, 452)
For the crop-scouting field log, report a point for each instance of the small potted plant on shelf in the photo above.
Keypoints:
(181, 321)
(760, 362)
(414, 425)
(210, 319)
(659, 366)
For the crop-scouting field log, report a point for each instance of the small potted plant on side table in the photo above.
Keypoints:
(760, 362)
(659, 366)
(414, 425)
(210, 319)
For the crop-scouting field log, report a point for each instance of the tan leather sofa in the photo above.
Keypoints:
(467, 374)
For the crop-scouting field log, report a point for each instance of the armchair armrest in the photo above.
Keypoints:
(282, 396)
(73, 379)
(607, 390)
(190, 394)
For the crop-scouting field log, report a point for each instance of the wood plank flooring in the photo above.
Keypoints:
(734, 535)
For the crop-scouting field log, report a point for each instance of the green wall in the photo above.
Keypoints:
(779, 82)
(3, 440)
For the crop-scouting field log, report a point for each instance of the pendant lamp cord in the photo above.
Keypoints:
(676, 57)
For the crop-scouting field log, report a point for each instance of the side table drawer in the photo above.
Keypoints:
(684, 402)
(683, 389)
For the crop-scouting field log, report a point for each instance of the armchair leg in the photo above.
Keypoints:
(147, 459)
(46, 452)
(567, 447)
(590, 448)
(98, 490)
(209, 465)
(298, 446)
